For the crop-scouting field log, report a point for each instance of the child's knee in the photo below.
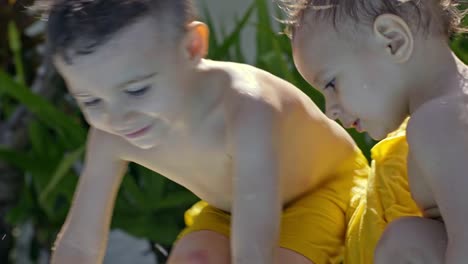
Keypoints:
(387, 248)
(201, 247)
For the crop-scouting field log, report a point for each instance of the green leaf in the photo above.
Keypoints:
(238, 53)
(276, 60)
(20, 160)
(364, 142)
(23, 210)
(68, 186)
(212, 26)
(50, 115)
(39, 136)
(14, 39)
(153, 184)
(62, 169)
(177, 199)
(264, 45)
(234, 37)
(134, 193)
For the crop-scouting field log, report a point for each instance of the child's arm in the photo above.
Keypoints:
(257, 207)
(441, 151)
(83, 237)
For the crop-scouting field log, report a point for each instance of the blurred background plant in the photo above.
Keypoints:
(42, 135)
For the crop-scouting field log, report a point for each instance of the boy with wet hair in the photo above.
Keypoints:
(274, 173)
(376, 62)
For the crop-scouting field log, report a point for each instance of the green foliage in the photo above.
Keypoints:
(72, 134)
(459, 43)
(15, 46)
(149, 206)
(220, 51)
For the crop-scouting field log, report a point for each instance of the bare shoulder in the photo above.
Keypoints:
(245, 94)
(255, 86)
(292, 106)
(300, 113)
(443, 116)
(438, 131)
(301, 128)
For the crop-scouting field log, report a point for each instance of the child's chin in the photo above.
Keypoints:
(377, 135)
(145, 144)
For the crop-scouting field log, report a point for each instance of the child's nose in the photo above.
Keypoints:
(333, 112)
(118, 117)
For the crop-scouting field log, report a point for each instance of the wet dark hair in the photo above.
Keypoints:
(432, 16)
(79, 27)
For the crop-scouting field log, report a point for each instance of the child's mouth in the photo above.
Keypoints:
(357, 126)
(139, 132)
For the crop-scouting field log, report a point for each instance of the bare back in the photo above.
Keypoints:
(438, 140)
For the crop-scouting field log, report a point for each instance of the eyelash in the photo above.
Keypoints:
(91, 103)
(331, 84)
(139, 92)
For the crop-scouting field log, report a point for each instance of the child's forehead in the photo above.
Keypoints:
(312, 30)
(137, 40)
(319, 45)
(144, 29)
(315, 47)
(135, 50)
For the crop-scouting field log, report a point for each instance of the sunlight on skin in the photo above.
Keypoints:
(207, 125)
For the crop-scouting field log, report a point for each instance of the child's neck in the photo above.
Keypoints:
(438, 74)
(203, 93)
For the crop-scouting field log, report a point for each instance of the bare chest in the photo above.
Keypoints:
(198, 160)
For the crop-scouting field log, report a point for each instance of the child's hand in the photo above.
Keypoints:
(83, 238)
(68, 253)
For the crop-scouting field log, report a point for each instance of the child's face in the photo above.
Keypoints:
(360, 84)
(131, 86)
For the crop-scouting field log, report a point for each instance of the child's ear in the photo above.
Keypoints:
(394, 33)
(196, 41)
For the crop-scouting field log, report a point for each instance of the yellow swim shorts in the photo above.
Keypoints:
(385, 198)
(313, 225)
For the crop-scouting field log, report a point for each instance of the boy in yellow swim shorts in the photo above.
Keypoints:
(379, 200)
(312, 225)
(379, 195)
(248, 143)
(377, 62)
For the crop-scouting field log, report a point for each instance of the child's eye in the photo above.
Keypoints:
(93, 102)
(138, 92)
(331, 85)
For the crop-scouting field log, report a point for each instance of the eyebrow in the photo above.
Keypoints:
(137, 79)
(125, 83)
(81, 95)
(318, 78)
